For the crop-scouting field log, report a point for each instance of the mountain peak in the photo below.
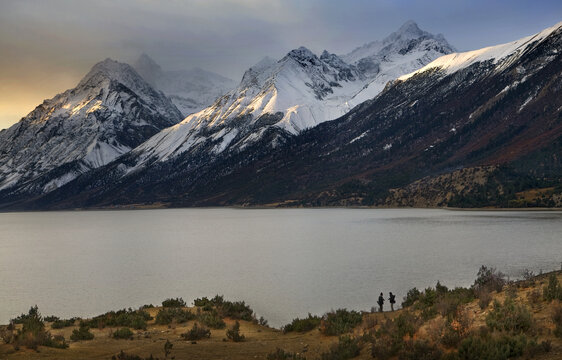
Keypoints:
(410, 26)
(303, 56)
(148, 68)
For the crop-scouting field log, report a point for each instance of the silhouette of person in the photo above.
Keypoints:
(380, 302)
(391, 300)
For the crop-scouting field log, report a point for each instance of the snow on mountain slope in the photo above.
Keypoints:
(451, 63)
(190, 90)
(110, 111)
(298, 92)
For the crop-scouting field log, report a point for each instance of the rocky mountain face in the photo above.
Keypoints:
(111, 111)
(285, 97)
(497, 108)
(493, 115)
(190, 90)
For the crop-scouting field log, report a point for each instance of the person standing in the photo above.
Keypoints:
(391, 300)
(380, 302)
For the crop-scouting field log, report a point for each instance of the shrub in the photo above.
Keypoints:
(484, 298)
(489, 279)
(197, 333)
(553, 290)
(234, 333)
(346, 348)
(59, 324)
(82, 333)
(339, 322)
(174, 303)
(211, 319)
(476, 348)
(411, 297)
(123, 333)
(303, 325)
(417, 350)
(280, 354)
(33, 334)
(124, 356)
(236, 310)
(167, 315)
(135, 319)
(557, 319)
(509, 317)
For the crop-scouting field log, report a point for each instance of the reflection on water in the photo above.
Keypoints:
(284, 263)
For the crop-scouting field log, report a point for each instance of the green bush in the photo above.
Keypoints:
(234, 333)
(280, 354)
(32, 333)
(509, 316)
(123, 333)
(303, 325)
(346, 348)
(82, 333)
(174, 303)
(59, 324)
(419, 350)
(553, 291)
(557, 319)
(411, 297)
(211, 319)
(340, 322)
(135, 319)
(167, 315)
(502, 348)
(197, 333)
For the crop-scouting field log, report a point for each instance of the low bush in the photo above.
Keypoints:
(124, 356)
(211, 319)
(59, 324)
(135, 319)
(509, 316)
(339, 322)
(552, 291)
(32, 333)
(82, 333)
(123, 333)
(557, 319)
(197, 333)
(174, 303)
(416, 350)
(50, 318)
(484, 298)
(489, 279)
(490, 348)
(346, 348)
(411, 297)
(167, 315)
(280, 354)
(234, 333)
(303, 325)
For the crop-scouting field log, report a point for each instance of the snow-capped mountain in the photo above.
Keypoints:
(190, 90)
(298, 92)
(110, 111)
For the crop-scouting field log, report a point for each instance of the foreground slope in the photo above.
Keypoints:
(490, 320)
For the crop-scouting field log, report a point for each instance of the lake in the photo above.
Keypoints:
(283, 262)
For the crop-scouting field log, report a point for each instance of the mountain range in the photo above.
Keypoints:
(403, 121)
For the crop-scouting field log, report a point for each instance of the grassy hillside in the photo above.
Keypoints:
(494, 319)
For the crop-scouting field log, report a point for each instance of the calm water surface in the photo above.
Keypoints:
(284, 263)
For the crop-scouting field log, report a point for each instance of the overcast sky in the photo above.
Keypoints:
(46, 46)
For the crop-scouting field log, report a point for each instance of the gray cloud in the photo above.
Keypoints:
(48, 45)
